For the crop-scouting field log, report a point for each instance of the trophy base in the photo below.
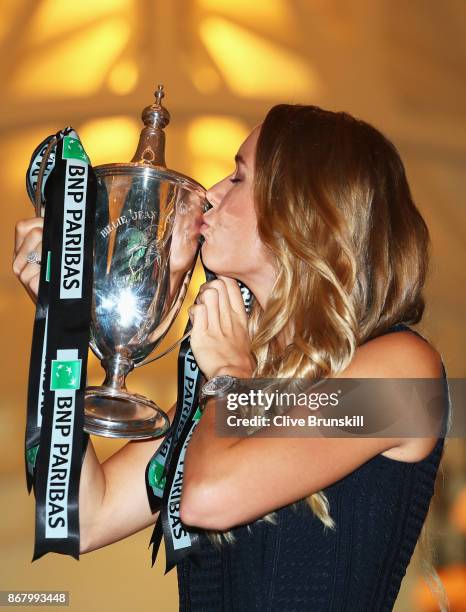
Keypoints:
(119, 414)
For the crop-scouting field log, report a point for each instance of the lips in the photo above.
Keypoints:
(204, 225)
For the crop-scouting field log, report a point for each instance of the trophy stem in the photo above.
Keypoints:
(117, 367)
(112, 412)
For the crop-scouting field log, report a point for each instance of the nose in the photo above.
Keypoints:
(216, 193)
(210, 202)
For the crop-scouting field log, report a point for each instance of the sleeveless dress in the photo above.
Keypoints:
(296, 566)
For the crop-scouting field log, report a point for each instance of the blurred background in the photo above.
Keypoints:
(95, 64)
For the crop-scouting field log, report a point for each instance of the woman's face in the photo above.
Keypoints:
(232, 246)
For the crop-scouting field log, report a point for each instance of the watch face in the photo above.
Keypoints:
(218, 384)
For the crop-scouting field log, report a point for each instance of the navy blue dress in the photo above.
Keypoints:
(297, 566)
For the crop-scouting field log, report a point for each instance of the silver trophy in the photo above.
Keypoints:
(146, 245)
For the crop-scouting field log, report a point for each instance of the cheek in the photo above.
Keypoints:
(239, 210)
(241, 229)
(234, 245)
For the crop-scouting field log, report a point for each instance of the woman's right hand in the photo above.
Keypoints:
(28, 237)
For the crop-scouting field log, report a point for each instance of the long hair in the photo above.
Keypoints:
(351, 248)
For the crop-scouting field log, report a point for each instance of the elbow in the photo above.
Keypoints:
(205, 506)
(84, 544)
(87, 541)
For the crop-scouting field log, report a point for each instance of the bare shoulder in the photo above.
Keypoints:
(400, 354)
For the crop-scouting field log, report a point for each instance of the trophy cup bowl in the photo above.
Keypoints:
(146, 244)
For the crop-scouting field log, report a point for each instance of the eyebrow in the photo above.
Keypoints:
(239, 159)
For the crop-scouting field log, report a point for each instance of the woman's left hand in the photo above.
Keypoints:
(219, 337)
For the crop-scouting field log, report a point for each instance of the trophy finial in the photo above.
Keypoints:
(159, 94)
(151, 147)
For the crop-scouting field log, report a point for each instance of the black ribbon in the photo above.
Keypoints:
(39, 343)
(164, 472)
(55, 441)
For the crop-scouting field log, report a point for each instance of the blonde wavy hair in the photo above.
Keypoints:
(334, 207)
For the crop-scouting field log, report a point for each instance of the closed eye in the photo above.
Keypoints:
(235, 180)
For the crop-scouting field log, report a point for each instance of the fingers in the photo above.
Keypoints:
(235, 297)
(229, 301)
(198, 317)
(28, 237)
(24, 227)
(31, 242)
(32, 285)
(209, 298)
(29, 271)
(223, 301)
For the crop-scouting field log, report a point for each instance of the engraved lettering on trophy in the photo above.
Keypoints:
(106, 231)
(139, 215)
(132, 215)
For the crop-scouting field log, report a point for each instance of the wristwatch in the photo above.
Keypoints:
(217, 387)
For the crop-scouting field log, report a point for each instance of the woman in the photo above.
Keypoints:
(318, 221)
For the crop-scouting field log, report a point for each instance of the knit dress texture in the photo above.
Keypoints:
(298, 565)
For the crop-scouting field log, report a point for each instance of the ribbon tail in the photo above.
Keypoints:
(156, 539)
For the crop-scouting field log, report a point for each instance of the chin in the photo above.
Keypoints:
(213, 264)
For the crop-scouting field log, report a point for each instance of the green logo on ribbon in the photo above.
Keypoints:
(31, 455)
(66, 375)
(155, 475)
(73, 149)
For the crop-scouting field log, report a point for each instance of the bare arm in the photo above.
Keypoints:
(113, 500)
(230, 481)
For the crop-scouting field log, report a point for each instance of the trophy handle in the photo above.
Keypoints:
(170, 348)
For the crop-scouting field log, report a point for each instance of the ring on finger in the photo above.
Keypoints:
(33, 257)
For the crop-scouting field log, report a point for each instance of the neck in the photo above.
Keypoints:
(261, 284)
